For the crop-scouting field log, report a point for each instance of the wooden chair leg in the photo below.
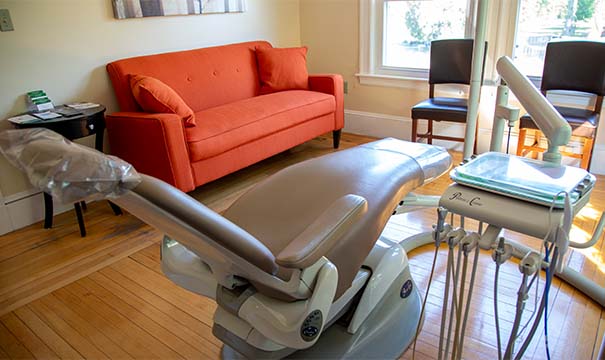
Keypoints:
(521, 141)
(430, 132)
(538, 137)
(586, 153)
(414, 130)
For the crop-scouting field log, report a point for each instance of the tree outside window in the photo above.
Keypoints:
(543, 21)
(410, 26)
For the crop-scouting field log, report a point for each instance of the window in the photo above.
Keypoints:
(396, 35)
(558, 20)
(410, 26)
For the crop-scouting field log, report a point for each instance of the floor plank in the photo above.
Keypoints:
(30, 340)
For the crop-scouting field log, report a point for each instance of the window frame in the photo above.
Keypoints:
(372, 27)
(502, 15)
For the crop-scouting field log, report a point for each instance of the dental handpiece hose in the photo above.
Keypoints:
(445, 302)
(500, 255)
(439, 228)
(521, 297)
(460, 300)
(468, 247)
(452, 237)
(455, 309)
(553, 264)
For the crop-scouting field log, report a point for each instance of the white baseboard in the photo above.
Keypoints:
(26, 208)
(384, 125)
(6, 224)
(400, 127)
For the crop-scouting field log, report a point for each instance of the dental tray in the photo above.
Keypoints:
(525, 179)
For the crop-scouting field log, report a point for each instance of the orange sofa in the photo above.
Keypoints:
(236, 126)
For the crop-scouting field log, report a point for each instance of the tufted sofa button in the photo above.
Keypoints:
(215, 73)
(189, 78)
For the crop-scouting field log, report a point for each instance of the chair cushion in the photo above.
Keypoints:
(228, 126)
(282, 69)
(156, 97)
(583, 122)
(441, 109)
(278, 209)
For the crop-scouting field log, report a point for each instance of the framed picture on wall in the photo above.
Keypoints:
(126, 9)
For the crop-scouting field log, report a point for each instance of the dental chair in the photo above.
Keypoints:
(297, 265)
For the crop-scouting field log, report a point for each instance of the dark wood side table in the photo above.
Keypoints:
(90, 122)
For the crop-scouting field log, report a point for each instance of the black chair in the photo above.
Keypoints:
(574, 66)
(451, 62)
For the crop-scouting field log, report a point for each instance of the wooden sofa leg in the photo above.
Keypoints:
(336, 138)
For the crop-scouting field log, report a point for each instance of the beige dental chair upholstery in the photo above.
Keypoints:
(286, 204)
(301, 205)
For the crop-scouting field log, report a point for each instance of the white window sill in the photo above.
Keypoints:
(392, 81)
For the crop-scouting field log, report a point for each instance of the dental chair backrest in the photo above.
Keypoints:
(71, 172)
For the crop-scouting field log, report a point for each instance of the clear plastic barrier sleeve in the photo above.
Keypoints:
(68, 171)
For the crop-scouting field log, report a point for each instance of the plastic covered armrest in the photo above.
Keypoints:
(319, 237)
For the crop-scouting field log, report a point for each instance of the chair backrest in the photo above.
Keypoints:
(575, 66)
(451, 62)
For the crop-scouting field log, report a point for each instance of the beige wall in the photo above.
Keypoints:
(330, 28)
(62, 46)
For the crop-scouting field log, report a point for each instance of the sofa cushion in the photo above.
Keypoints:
(156, 97)
(228, 126)
(282, 69)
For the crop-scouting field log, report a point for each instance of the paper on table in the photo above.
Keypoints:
(82, 106)
(22, 119)
(47, 115)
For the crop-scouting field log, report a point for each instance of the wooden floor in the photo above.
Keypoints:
(104, 296)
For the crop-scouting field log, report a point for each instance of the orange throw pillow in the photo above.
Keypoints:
(157, 97)
(282, 69)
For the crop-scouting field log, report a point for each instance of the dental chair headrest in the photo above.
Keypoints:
(66, 170)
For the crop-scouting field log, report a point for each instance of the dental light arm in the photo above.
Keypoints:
(317, 239)
(548, 120)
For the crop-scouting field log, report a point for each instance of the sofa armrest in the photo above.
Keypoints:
(319, 237)
(332, 84)
(154, 144)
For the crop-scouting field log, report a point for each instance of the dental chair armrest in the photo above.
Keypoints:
(319, 237)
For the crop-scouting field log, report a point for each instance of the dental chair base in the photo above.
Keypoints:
(384, 315)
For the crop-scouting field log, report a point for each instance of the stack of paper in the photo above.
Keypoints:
(23, 119)
(47, 115)
(82, 105)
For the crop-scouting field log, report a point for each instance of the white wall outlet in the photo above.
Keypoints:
(6, 24)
